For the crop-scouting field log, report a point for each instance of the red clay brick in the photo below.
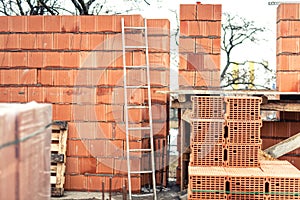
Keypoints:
(18, 94)
(159, 43)
(114, 77)
(104, 95)
(159, 60)
(195, 62)
(67, 95)
(52, 59)
(96, 41)
(61, 112)
(87, 165)
(87, 24)
(70, 24)
(217, 12)
(17, 23)
(35, 24)
(105, 23)
(287, 81)
(9, 76)
(282, 28)
(4, 94)
(52, 94)
(19, 59)
(114, 113)
(288, 45)
(187, 12)
(28, 76)
(288, 11)
(158, 26)
(105, 166)
(95, 183)
(182, 62)
(103, 130)
(52, 23)
(97, 148)
(204, 45)
(12, 41)
(27, 41)
(78, 148)
(5, 59)
(72, 165)
(4, 24)
(36, 94)
(186, 78)
(205, 11)
(212, 62)
(294, 28)
(35, 59)
(70, 60)
(61, 41)
(120, 166)
(44, 41)
(187, 45)
(79, 41)
(114, 148)
(77, 182)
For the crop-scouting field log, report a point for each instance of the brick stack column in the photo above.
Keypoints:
(199, 46)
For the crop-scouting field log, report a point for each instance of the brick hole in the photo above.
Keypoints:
(267, 187)
(226, 132)
(225, 155)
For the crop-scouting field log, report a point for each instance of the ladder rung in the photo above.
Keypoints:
(136, 67)
(139, 150)
(138, 128)
(134, 27)
(142, 195)
(141, 172)
(137, 107)
(135, 47)
(136, 86)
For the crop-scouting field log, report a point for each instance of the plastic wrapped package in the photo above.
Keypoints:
(25, 142)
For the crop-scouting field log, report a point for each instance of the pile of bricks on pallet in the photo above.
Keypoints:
(25, 151)
(288, 57)
(224, 164)
(75, 63)
(199, 46)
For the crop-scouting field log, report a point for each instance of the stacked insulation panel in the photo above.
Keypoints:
(288, 52)
(76, 64)
(199, 46)
(25, 151)
(224, 163)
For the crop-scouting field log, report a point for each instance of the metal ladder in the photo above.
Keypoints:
(128, 128)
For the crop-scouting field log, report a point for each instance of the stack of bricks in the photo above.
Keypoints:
(224, 162)
(288, 52)
(75, 63)
(199, 46)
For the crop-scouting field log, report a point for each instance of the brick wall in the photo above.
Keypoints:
(199, 46)
(75, 63)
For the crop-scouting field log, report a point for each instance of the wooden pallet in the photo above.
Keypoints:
(58, 158)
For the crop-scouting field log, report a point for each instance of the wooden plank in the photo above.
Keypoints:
(55, 136)
(52, 179)
(284, 146)
(280, 106)
(54, 147)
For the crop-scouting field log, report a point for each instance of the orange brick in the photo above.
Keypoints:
(36, 94)
(11, 41)
(17, 23)
(288, 11)
(78, 148)
(87, 165)
(96, 41)
(187, 12)
(158, 26)
(67, 95)
(283, 28)
(158, 112)
(294, 28)
(18, 94)
(61, 41)
(35, 24)
(95, 183)
(120, 166)
(72, 165)
(135, 115)
(103, 130)
(136, 20)
(5, 59)
(288, 45)
(195, 62)
(87, 24)
(293, 62)
(159, 43)
(114, 148)
(212, 62)
(104, 95)
(288, 81)
(61, 112)
(205, 12)
(28, 76)
(11, 76)
(4, 94)
(216, 44)
(19, 59)
(105, 23)
(97, 113)
(64, 77)
(159, 78)
(27, 41)
(52, 23)
(182, 62)
(44, 41)
(114, 77)
(77, 182)
(156, 96)
(80, 42)
(35, 59)
(52, 94)
(186, 78)
(4, 24)
(217, 12)
(159, 60)
(46, 77)
(70, 24)
(97, 148)
(113, 113)
(70, 60)
(204, 45)
(187, 45)
(105, 166)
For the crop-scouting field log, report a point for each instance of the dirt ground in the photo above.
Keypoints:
(172, 192)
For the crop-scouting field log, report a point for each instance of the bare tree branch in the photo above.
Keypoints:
(20, 7)
(47, 8)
